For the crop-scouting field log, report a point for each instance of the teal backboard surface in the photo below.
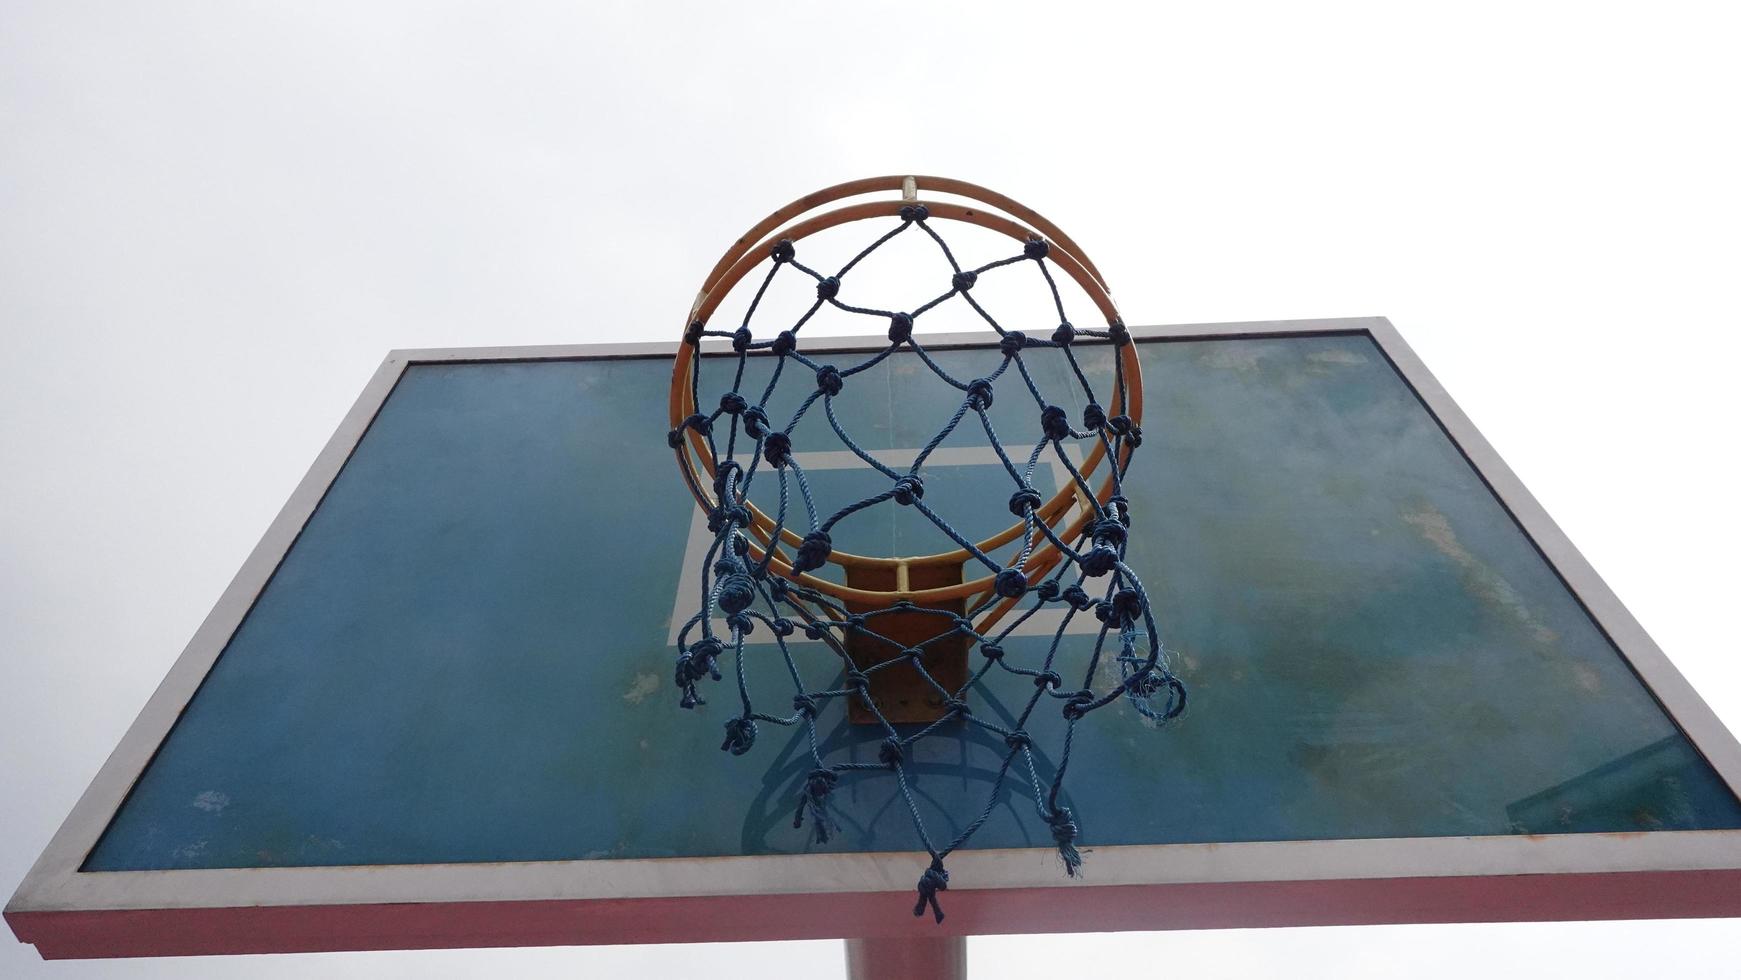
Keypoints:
(466, 655)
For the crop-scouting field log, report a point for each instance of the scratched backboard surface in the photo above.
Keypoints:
(466, 655)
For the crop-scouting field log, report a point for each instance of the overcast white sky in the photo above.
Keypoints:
(216, 218)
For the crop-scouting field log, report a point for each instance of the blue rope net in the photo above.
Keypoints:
(1091, 579)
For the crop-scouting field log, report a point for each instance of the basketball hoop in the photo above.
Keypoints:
(901, 625)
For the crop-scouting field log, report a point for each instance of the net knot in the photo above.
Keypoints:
(804, 704)
(1064, 835)
(699, 423)
(1093, 417)
(1065, 333)
(1109, 531)
(1048, 678)
(736, 593)
(741, 623)
(1018, 739)
(1077, 597)
(979, 394)
(696, 663)
(991, 651)
(686, 676)
(934, 880)
(813, 552)
(725, 477)
(1099, 561)
(1120, 508)
(732, 403)
(777, 449)
(720, 518)
(964, 280)
(785, 342)
(900, 328)
(705, 656)
(1121, 425)
(1118, 333)
(741, 339)
(755, 421)
(908, 489)
(827, 287)
(692, 333)
(1024, 500)
(1054, 423)
(1036, 249)
(1124, 609)
(1012, 343)
(782, 251)
(1010, 583)
(1048, 590)
(956, 706)
(828, 379)
(915, 212)
(815, 631)
(740, 734)
(1078, 703)
(783, 627)
(814, 798)
(890, 752)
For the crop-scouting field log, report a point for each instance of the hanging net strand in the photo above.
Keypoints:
(755, 575)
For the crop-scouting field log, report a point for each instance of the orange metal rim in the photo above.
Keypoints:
(752, 249)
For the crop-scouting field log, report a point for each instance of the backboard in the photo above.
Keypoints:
(426, 715)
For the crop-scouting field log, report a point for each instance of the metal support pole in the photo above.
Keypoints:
(907, 958)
